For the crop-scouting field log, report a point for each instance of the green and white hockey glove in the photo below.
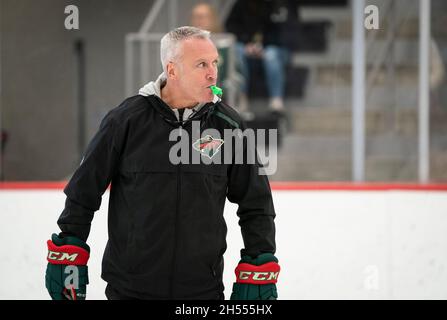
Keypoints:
(66, 276)
(256, 278)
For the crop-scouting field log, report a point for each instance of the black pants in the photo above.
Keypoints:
(114, 294)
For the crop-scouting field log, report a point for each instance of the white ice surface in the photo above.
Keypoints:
(331, 244)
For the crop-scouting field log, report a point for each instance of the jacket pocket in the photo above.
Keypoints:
(218, 264)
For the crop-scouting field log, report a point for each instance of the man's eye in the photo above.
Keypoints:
(201, 64)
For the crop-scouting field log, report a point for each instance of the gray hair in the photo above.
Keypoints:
(170, 42)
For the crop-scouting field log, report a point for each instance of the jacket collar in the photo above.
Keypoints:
(153, 88)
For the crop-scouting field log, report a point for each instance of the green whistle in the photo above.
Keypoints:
(216, 90)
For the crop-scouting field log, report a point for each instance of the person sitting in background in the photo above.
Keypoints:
(204, 16)
(263, 30)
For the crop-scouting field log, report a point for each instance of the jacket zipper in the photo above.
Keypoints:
(177, 209)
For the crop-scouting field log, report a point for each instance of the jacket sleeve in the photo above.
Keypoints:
(91, 179)
(251, 191)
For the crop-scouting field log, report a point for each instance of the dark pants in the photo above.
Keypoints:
(114, 294)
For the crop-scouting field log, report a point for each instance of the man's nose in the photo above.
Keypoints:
(212, 74)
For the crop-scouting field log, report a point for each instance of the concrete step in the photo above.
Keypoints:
(328, 158)
(408, 29)
(342, 75)
(323, 119)
(340, 146)
(337, 14)
(337, 95)
(376, 169)
(438, 165)
(331, 121)
(332, 14)
(404, 53)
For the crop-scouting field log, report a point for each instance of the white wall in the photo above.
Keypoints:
(331, 244)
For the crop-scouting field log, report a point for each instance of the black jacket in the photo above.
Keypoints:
(165, 223)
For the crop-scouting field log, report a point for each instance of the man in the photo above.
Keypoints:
(166, 226)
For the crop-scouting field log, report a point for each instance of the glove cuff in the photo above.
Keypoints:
(67, 254)
(266, 273)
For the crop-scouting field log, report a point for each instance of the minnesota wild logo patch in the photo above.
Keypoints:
(208, 146)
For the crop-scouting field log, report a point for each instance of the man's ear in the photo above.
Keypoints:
(172, 71)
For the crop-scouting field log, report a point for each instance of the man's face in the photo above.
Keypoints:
(197, 69)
